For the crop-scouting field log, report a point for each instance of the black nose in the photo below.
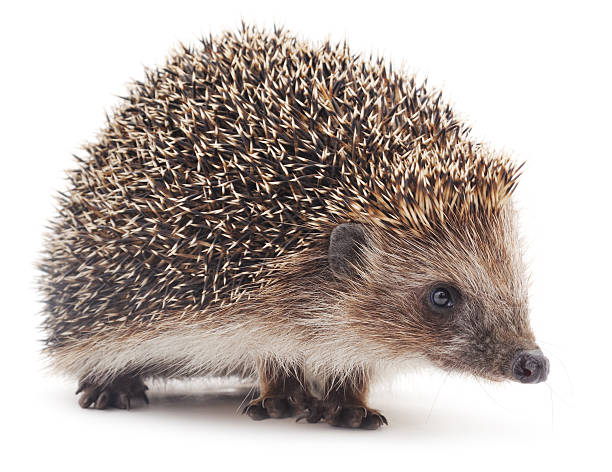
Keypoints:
(530, 366)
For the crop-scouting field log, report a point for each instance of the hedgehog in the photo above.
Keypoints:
(291, 213)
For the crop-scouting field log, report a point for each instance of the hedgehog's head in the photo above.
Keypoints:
(455, 294)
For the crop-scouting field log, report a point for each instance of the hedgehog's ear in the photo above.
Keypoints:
(345, 243)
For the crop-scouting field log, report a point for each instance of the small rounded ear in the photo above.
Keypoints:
(344, 244)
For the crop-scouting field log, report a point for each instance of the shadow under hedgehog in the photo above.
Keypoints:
(267, 208)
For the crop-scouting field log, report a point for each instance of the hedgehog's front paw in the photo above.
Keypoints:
(269, 406)
(117, 394)
(347, 415)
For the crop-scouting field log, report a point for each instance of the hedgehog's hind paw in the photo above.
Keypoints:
(117, 394)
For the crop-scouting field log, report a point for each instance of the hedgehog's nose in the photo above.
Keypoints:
(530, 366)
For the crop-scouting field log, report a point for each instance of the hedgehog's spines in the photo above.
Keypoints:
(237, 155)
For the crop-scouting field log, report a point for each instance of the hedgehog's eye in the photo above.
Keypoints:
(443, 298)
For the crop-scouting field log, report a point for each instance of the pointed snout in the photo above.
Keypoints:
(530, 366)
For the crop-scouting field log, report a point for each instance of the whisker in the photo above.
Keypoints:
(436, 397)
(567, 376)
(248, 395)
(552, 407)
(492, 398)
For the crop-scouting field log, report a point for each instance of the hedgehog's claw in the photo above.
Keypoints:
(269, 406)
(89, 396)
(123, 401)
(311, 414)
(256, 412)
(344, 415)
(356, 416)
(117, 394)
(374, 420)
(102, 400)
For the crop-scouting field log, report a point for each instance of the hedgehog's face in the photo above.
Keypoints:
(458, 299)
(484, 332)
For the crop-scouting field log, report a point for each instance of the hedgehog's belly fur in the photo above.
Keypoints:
(182, 351)
(191, 349)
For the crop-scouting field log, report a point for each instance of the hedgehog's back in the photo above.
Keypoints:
(231, 158)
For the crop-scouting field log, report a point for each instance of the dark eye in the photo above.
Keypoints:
(441, 297)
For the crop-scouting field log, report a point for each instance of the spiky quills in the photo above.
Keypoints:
(238, 155)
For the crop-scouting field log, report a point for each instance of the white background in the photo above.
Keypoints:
(532, 78)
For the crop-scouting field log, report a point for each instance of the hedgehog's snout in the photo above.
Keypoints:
(530, 366)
